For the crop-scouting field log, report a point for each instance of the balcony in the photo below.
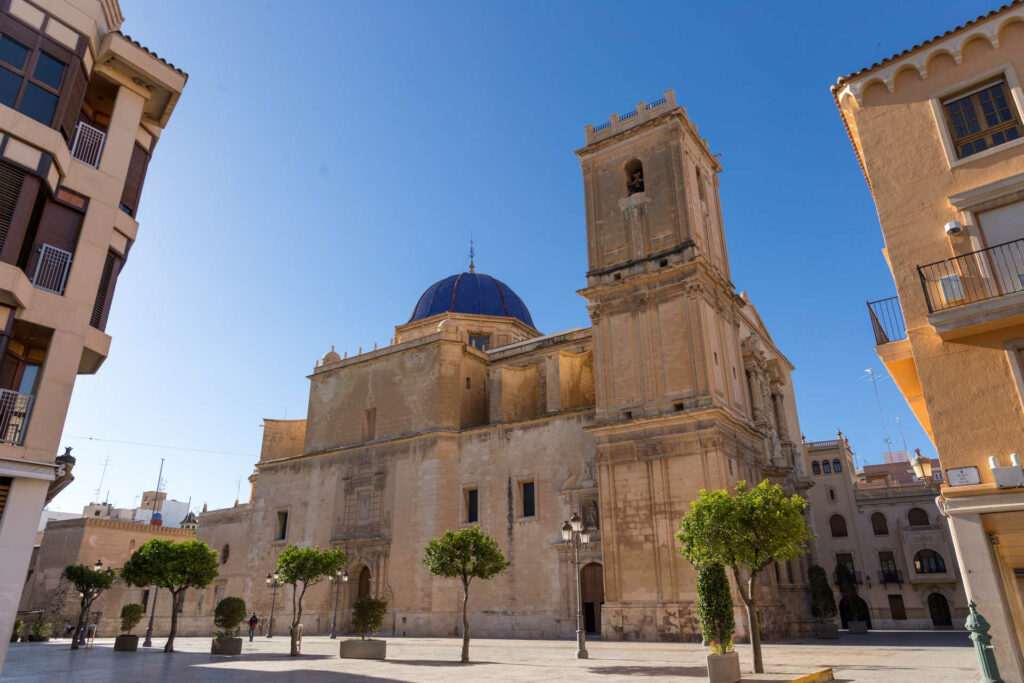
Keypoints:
(978, 276)
(14, 412)
(857, 577)
(52, 269)
(887, 576)
(87, 144)
(887, 320)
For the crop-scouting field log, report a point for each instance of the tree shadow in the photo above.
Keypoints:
(637, 670)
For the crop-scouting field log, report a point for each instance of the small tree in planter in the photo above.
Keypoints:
(227, 617)
(717, 623)
(131, 615)
(367, 617)
(306, 566)
(823, 603)
(90, 583)
(858, 620)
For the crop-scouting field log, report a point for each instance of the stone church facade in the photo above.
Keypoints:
(473, 416)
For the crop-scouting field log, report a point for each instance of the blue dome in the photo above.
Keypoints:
(473, 293)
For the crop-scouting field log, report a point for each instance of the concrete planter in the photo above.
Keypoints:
(724, 668)
(826, 630)
(363, 649)
(126, 643)
(226, 646)
(857, 626)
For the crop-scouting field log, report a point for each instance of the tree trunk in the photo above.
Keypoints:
(465, 622)
(296, 617)
(749, 597)
(169, 647)
(83, 611)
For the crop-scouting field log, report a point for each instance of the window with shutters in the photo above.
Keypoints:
(133, 181)
(11, 180)
(105, 292)
(5, 491)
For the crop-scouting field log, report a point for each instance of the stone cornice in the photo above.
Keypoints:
(120, 524)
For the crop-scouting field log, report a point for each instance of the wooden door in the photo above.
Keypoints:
(592, 588)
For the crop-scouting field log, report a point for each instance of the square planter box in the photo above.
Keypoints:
(226, 646)
(857, 626)
(724, 668)
(363, 649)
(826, 630)
(126, 643)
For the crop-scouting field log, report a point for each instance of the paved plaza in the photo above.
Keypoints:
(903, 656)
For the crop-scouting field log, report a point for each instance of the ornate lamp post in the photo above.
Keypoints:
(274, 584)
(922, 467)
(339, 577)
(576, 536)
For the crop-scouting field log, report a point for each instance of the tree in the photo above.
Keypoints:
(228, 616)
(746, 533)
(465, 554)
(307, 566)
(174, 566)
(89, 583)
(823, 603)
(368, 614)
(714, 607)
(131, 615)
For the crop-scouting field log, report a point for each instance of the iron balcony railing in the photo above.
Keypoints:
(52, 269)
(977, 276)
(887, 320)
(87, 145)
(14, 412)
(886, 576)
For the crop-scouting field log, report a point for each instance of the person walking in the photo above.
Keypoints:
(253, 620)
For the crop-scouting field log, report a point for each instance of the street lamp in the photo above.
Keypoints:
(274, 584)
(575, 536)
(152, 612)
(922, 466)
(98, 566)
(339, 577)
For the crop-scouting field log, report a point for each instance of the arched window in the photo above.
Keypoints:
(815, 467)
(929, 562)
(917, 517)
(634, 176)
(837, 466)
(224, 552)
(879, 525)
(701, 192)
(838, 526)
(825, 467)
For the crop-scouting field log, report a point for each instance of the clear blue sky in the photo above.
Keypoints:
(327, 162)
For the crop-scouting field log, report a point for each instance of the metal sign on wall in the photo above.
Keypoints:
(963, 476)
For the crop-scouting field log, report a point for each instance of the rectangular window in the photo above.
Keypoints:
(282, 524)
(29, 80)
(472, 505)
(364, 507)
(899, 612)
(529, 504)
(369, 424)
(480, 341)
(982, 118)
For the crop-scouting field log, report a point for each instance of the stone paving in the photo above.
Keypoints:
(903, 656)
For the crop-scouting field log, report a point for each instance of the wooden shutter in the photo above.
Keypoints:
(136, 176)
(72, 100)
(101, 306)
(9, 371)
(10, 187)
(5, 491)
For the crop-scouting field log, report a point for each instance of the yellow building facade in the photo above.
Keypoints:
(473, 416)
(81, 109)
(938, 133)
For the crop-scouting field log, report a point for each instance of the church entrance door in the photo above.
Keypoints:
(592, 587)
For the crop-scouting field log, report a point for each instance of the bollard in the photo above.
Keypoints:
(978, 627)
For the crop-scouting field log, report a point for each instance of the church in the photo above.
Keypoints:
(472, 416)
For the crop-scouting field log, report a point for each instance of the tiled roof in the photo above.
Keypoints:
(473, 293)
(926, 43)
(150, 52)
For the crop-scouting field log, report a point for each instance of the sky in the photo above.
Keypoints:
(328, 161)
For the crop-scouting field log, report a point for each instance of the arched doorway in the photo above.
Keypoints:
(848, 613)
(362, 585)
(938, 608)
(592, 589)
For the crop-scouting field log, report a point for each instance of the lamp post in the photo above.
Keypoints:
(98, 567)
(339, 577)
(575, 536)
(274, 584)
(152, 612)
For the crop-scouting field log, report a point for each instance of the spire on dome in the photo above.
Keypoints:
(472, 268)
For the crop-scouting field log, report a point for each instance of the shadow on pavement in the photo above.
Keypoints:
(952, 638)
(638, 670)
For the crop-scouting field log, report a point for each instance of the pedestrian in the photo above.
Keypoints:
(253, 620)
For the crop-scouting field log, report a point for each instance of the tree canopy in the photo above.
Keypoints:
(745, 532)
(302, 568)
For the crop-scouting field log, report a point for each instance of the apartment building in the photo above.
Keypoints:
(81, 109)
(938, 132)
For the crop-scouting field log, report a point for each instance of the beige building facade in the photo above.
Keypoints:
(81, 109)
(887, 529)
(473, 416)
(938, 132)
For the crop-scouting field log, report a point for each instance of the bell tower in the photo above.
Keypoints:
(671, 391)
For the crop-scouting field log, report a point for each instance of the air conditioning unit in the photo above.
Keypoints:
(952, 288)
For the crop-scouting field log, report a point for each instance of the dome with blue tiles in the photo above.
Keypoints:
(473, 293)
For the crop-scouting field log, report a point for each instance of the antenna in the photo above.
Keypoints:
(885, 432)
(238, 488)
(902, 436)
(159, 476)
(102, 476)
